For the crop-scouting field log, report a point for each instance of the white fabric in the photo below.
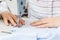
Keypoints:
(28, 32)
(3, 7)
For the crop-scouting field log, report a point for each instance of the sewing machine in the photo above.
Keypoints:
(16, 6)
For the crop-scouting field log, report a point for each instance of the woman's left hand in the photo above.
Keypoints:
(50, 22)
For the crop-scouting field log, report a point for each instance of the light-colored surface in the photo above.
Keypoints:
(3, 7)
(17, 33)
(28, 32)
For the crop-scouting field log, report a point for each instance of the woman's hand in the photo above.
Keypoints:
(47, 22)
(8, 17)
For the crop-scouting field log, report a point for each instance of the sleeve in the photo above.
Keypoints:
(3, 7)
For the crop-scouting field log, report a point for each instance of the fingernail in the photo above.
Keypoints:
(15, 25)
(7, 25)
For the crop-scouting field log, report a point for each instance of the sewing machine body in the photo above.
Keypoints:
(16, 6)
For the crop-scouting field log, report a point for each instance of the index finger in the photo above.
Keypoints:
(38, 22)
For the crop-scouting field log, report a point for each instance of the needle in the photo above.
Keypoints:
(19, 17)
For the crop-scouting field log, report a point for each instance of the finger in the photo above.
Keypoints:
(38, 22)
(5, 21)
(14, 17)
(22, 22)
(43, 26)
(12, 21)
(46, 26)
